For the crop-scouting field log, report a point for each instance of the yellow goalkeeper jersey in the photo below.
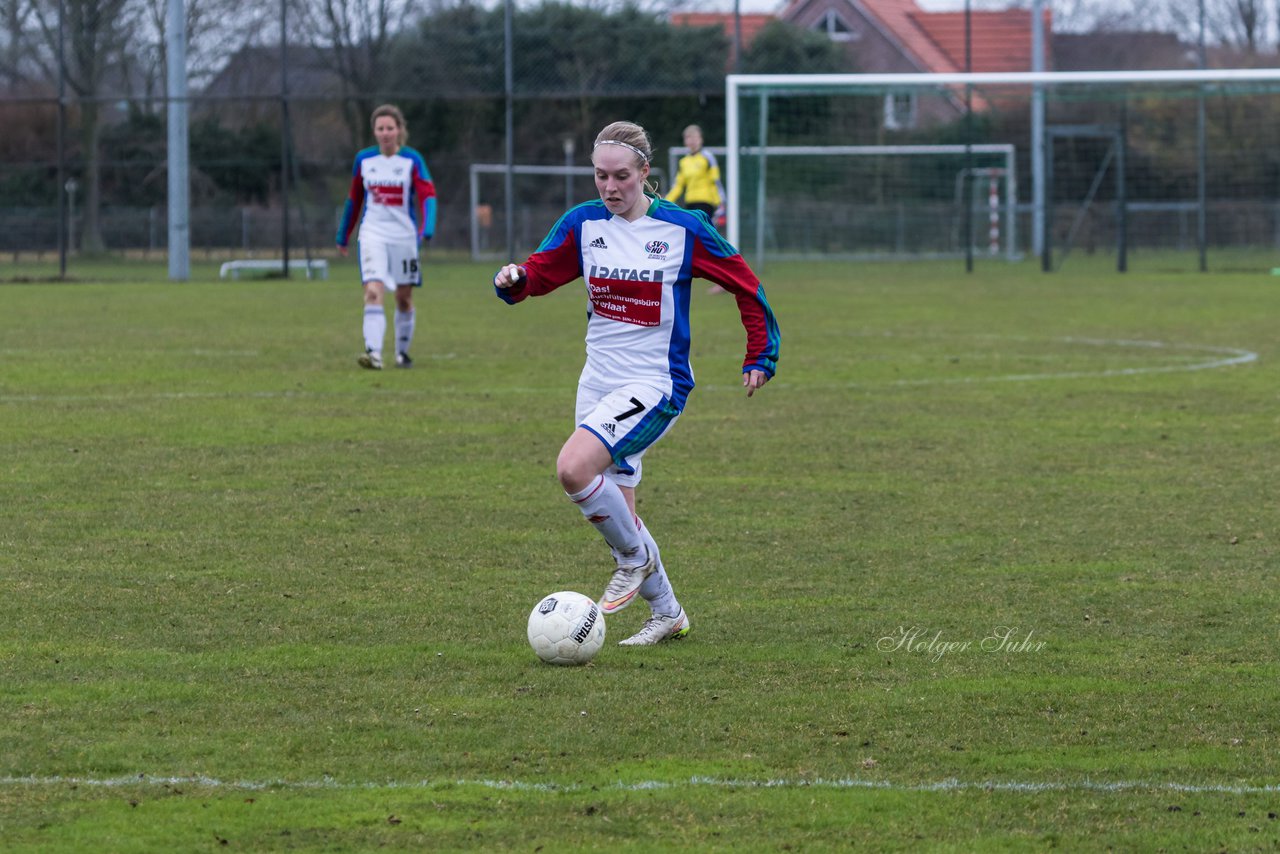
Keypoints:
(698, 180)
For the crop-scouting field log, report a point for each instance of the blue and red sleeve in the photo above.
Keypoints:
(355, 203)
(715, 260)
(557, 262)
(424, 194)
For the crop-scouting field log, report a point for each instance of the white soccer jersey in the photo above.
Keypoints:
(638, 277)
(392, 198)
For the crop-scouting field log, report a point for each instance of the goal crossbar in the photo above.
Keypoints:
(800, 82)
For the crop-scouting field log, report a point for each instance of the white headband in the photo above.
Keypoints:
(643, 158)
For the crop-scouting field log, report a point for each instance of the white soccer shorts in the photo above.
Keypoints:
(627, 420)
(393, 264)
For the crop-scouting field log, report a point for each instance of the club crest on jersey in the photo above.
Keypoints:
(658, 249)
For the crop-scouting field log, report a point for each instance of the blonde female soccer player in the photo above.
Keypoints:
(698, 177)
(638, 255)
(394, 201)
(698, 181)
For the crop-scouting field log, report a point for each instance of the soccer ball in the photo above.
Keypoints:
(566, 628)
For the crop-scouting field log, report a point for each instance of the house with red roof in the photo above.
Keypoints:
(748, 26)
(897, 36)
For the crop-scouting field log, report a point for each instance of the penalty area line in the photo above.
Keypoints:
(835, 783)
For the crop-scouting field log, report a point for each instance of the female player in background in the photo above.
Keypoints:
(638, 255)
(698, 177)
(394, 200)
(698, 180)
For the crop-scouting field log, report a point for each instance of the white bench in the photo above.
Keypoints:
(316, 268)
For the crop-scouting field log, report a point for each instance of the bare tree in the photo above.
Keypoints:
(216, 29)
(358, 34)
(96, 35)
(1247, 21)
(16, 18)
(1245, 25)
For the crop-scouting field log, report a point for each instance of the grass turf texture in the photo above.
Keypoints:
(291, 594)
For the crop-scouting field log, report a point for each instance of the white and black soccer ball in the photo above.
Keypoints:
(566, 628)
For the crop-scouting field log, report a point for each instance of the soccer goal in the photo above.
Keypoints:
(935, 165)
(807, 227)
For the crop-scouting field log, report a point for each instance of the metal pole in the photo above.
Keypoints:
(71, 186)
(733, 156)
(1039, 235)
(568, 176)
(968, 139)
(1122, 202)
(179, 184)
(1011, 204)
(473, 182)
(62, 143)
(737, 37)
(760, 178)
(1202, 163)
(284, 137)
(1046, 245)
(508, 183)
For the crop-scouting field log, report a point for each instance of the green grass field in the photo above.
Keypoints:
(991, 565)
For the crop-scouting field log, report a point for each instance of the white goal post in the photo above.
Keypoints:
(1170, 174)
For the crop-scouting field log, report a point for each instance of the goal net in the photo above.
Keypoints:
(1133, 165)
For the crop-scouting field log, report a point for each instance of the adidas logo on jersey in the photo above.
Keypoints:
(598, 243)
(610, 428)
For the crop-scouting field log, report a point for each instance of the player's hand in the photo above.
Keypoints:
(753, 380)
(508, 276)
(342, 250)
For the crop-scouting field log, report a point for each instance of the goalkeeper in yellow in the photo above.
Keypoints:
(698, 180)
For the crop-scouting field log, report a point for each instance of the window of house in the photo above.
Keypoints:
(899, 110)
(834, 27)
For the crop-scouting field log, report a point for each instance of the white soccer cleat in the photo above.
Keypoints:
(625, 584)
(370, 360)
(659, 628)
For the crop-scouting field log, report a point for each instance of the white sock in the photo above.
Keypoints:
(404, 330)
(605, 508)
(375, 328)
(656, 589)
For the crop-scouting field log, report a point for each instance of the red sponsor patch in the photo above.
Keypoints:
(391, 195)
(639, 303)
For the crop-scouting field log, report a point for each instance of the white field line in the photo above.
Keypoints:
(948, 785)
(1221, 357)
